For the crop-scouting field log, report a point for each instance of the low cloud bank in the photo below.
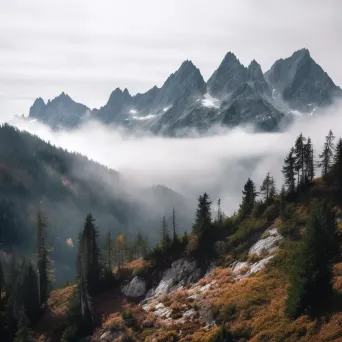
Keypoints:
(217, 163)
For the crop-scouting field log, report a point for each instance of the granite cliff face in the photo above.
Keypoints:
(233, 95)
(301, 82)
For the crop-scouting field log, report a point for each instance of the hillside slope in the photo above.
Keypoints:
(66, 186)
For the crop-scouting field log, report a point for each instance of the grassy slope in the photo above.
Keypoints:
(253, 307)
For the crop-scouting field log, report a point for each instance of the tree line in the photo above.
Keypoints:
(25, 288)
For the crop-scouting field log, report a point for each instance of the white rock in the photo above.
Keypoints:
(239, 266)
(104, 335)
(267, 245)
(258, 266)
(180, 270)
(162, 311)
(136, 288)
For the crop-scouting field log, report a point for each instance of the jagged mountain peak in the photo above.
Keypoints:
(229, 76)
(39, 101)
(254, 69)
(186, 100)
(301, 81)
(62, 97)
(186, 69)
(118, 95)
(186, 83)
(304, 53)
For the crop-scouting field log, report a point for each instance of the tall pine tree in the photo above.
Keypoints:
(309, 166)
(299, 158)
(327, 154)
(289, 171)
(203, 215)
(267, 188)
(248, 198)
(337, 169)
(43, 263)
(312, 270)
(91, 255)
(23, 334)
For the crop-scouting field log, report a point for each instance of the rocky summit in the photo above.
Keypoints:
(232, 96)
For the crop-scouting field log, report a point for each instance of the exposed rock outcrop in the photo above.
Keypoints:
(136, 288)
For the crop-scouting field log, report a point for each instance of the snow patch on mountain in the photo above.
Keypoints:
(147, 117)
(210, 101)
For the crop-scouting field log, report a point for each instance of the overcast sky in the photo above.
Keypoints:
(89, 48)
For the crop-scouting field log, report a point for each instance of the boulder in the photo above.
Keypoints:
(182, 270)
(136, 288)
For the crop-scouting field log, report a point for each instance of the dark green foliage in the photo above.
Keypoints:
(327, 154)
(166, 239)
(227, 313)
(248, 198)
(128, 318)
(206, 232)
(311, 275)
(78, 325)
(289, 172)
(223, 335)
(203, 215)
(69, 334)
(30, 293)
(337, 169)
(259, 208)
(272, 212)
(299, 159)
(309, 165)
(90, 255)
(2, 281)
(220, 214)
(23, 334)
(267, 188)
(109, 249)
(43, 263)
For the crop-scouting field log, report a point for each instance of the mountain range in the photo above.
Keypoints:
(233, 95)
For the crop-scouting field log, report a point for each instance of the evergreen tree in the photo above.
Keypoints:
(248, 198)
(82, 296)
(91, 255)
(109, 250)
(120, 249)
(309, 166)
(289, 171)
(166, 240)
(2, 281)
(174, 226)
(23, 333)
(43, 263)
(312, 271)
(327, 154)
(203, 215)
(219, 212)
(141, 244)
(267, 188)
(30, 293)
(337, 169)
(299, 158)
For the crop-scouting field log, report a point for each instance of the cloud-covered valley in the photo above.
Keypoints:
(218, 163)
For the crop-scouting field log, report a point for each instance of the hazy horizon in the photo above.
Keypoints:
(218, 163)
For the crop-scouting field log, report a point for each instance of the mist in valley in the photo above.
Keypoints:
(219, 162)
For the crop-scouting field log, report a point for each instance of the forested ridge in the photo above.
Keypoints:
(298, 297)
(66, 186)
